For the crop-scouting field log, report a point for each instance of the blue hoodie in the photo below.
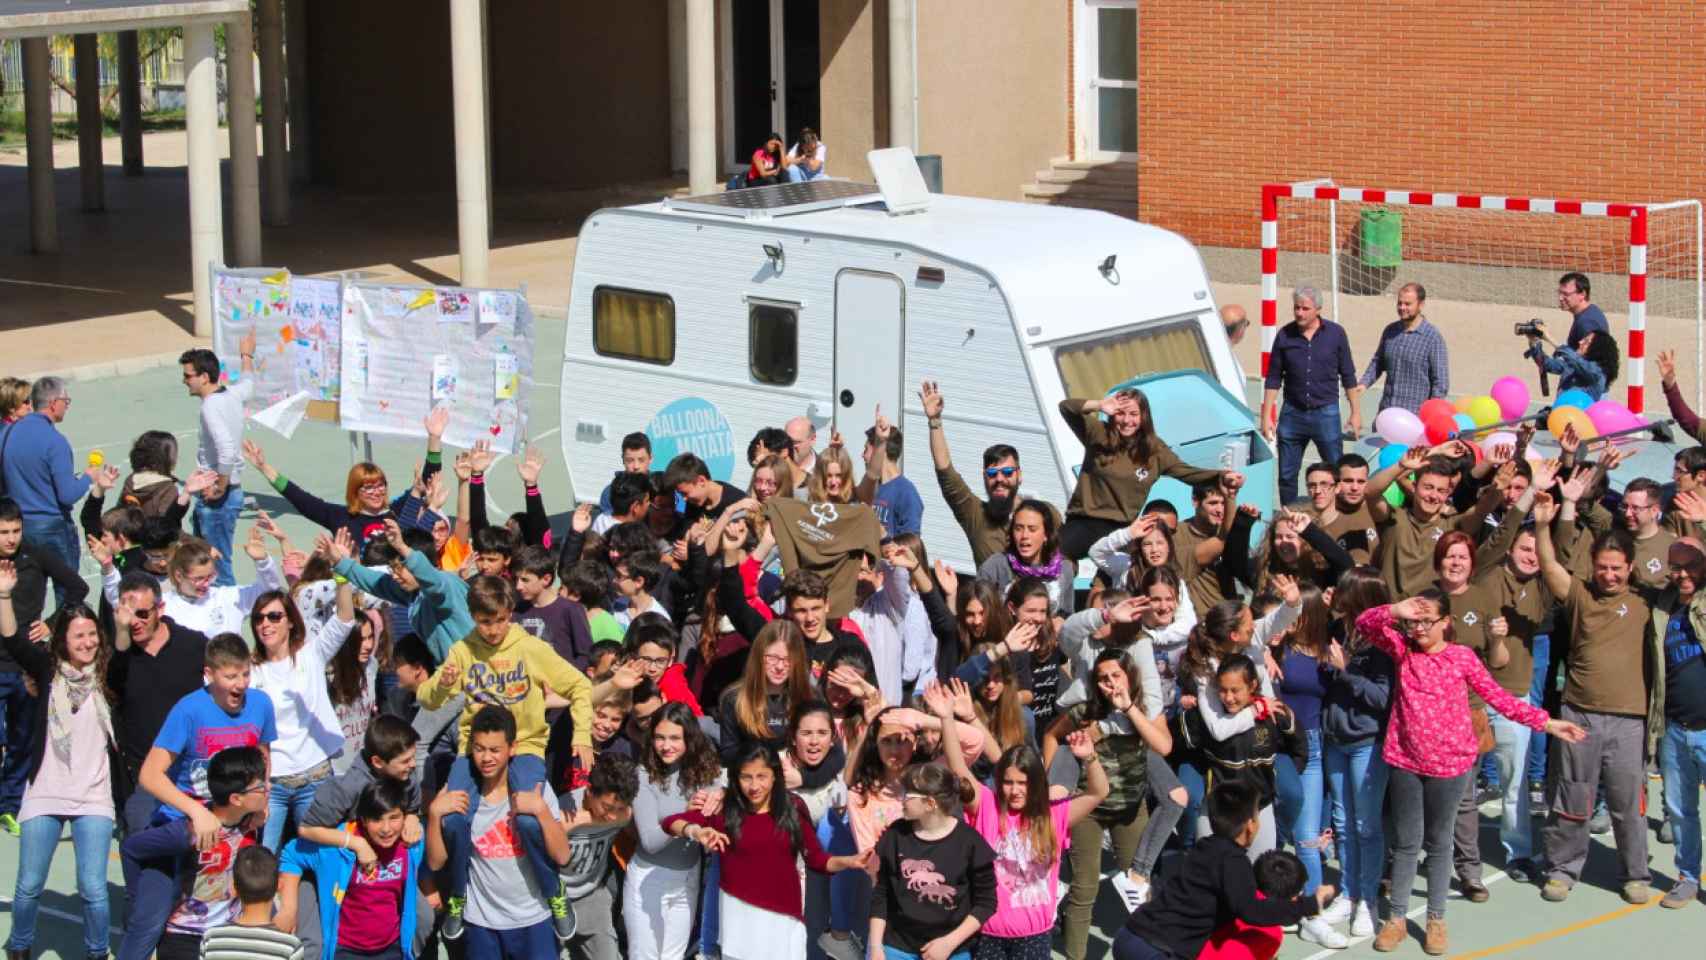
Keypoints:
(332, 867)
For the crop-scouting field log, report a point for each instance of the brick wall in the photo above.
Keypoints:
(1529, 97)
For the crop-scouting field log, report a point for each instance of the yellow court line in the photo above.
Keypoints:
(1560, 932)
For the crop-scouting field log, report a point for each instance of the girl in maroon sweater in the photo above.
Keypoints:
(760, 833)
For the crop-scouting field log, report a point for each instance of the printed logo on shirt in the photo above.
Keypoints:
(382, 873)
(1622, 610)
(1142, 474)
(824, 513)
(1654, 566)
(209, 741)
(923, 882)
(499, 843)
(1020, 874)
(500, 680)
(1471, 618)
(209, 895)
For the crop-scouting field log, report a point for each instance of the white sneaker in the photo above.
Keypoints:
(1132, 893)
(1314, 930)
(1362, 921)
(1337, 912)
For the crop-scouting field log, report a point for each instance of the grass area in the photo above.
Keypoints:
(65, 125)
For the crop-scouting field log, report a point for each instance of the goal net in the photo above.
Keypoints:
(1489, 262)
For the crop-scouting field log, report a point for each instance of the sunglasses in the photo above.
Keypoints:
(272, 616)
(993, 472)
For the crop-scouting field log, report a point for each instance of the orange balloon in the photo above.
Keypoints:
(1562, 417)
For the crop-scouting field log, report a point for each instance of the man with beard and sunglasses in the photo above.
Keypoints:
(984, 521)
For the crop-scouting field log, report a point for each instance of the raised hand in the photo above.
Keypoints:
(200, 481)
(963, 705)
(1079, 742)
(9, 576)
(436, 422)
(1691, 505)
(98, 549)
(529, 466)
(581, 522)
(267, 525)
(255, 547)
(1129, 610)
(1545, 509)
(930, 398)
(1544, 474)
(253, 453)
(628, 674)
(1576, 487)
(948, 579)
(940, 700)
(1287, 588)
(881, 424)
(480, 456)
(1414, 459)
(464, 466)
(1667, 367)
(448, 675)
(437, 494)
(1022, 637)
(394, 536)
(902, 557)
(1569, 441)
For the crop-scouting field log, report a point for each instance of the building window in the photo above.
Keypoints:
(1090, 368)
(633, 325)
(774, 345)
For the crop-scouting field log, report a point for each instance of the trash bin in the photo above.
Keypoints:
(1380, 238)
(930, 165)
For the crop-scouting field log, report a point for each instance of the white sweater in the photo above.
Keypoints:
(224, 609)
(308, 727)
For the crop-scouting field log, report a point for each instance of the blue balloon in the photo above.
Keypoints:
(1389, 455)
(1580, 399)
(1464, 421)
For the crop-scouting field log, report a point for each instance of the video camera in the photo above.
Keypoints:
(1530, 328)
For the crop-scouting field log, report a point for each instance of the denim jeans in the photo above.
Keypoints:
(849, 888)
(526, 772)
(282, 800)
(1682, 757)
(1298, 799)
(1356, 775)
(1537, 697)
(58, 535)
(216, 522)
(1510, 752)
(1424, 809)
(798, 173)
(91, 838)
(521, 943)
(1191, 778)
(711, 907)
(1298, 428)
(17, 730)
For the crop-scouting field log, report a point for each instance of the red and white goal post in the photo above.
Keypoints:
(1494, 259)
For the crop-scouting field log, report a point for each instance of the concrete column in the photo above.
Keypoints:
(902, 122)
(468, 96)
(678, 84)
(201, 121)
(296, 69)
(38, 128)
(701, 96)
(276, 167)
(240, 118)
(130, 102)
(87, 59)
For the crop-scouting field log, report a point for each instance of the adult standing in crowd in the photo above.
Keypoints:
(1310, 361)
(984, 521)
(1411, 356)
(1237, 323)
(219, 447)
(37, 472)
(1575, 295)
(802, 435)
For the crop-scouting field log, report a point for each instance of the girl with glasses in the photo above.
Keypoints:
(195, 603)
(936, 883)
(775, 681)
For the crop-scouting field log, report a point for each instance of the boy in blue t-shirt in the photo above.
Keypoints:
(221, 715)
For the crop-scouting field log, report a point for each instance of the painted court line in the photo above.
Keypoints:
(1560, 932)
(1415, 912)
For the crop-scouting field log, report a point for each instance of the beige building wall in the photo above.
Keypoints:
(853, 60)
(992, 91)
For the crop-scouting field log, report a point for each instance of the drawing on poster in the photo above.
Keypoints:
(407, 349)
(297, 322)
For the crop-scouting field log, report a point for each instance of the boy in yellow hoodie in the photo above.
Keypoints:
(500, 663)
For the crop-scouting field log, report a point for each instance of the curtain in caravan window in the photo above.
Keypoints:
(633, 325)
(1090, 368)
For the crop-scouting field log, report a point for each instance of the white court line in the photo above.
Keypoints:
(492, 504)
(1413, 914)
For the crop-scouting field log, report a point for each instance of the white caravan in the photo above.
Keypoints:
(703, 320)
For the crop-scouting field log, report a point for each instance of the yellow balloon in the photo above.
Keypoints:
(1562, 417)
(1463, 402)
(1483, 410)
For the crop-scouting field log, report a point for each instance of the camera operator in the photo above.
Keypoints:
(1574, 295)
(1590, 366)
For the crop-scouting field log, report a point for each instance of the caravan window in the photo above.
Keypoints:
(773, 350)
(633, 325)
(1090, 368)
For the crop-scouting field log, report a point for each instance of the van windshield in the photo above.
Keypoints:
(1090, 368)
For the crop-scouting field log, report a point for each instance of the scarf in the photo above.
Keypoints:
(72, 688)
(1047, 571)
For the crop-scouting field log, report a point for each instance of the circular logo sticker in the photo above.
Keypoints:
(696, 426)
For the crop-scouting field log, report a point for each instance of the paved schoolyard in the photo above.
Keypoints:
(106, 414)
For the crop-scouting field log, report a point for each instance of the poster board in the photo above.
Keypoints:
(296, 321)
(410, 348)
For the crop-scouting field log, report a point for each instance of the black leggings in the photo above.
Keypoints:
(1079, 533)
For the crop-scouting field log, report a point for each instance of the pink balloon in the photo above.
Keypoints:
(1609, 416)
(1511, 394)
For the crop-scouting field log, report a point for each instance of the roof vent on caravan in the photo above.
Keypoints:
(779, 200)
(898, 176)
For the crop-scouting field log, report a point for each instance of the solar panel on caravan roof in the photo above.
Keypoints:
(780, 199)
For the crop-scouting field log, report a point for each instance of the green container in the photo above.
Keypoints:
(1381, 236)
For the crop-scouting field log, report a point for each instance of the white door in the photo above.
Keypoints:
(870, 350)
(1106, 65)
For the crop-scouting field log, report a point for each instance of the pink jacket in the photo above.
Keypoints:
(1429, 732)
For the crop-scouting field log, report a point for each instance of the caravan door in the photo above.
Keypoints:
(870, 349)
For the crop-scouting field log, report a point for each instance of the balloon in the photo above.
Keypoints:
(1463, 421)
(1485, 410)
(1440, 429)
(1462, 404)
(1574, 397)
(1394, 495)
(1493, 441)
(1609, 416)
(1435, 407)
(1562, 417)
(1399, 427)
(1511, 394)
(1389, 455)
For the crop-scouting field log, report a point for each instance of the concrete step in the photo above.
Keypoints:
(1098, 191)
(1111, 166)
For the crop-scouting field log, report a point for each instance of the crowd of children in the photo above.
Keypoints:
(675, 724)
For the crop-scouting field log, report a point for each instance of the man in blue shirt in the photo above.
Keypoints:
(1575, 296)
(35, 462)
(895, 498)
(1309, 363)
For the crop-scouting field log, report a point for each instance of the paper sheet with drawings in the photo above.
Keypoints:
(403, 355)
(297, 323)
